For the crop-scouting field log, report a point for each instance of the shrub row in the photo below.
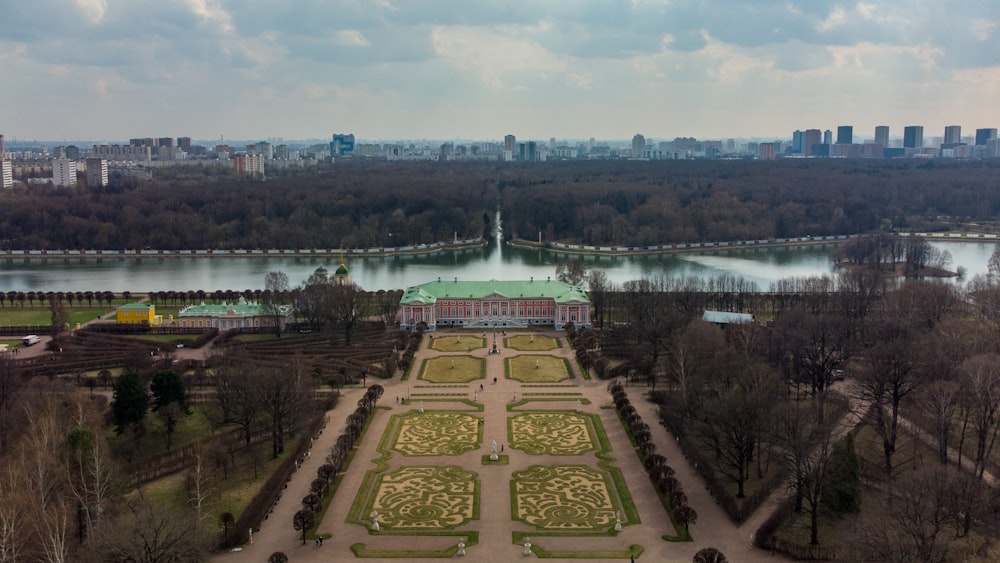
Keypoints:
(660, 473)
(320, 487)
(263, 502)
(411, 347)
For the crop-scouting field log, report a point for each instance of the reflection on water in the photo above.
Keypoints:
(759, 265)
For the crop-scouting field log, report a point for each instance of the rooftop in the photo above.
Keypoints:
(430, 292)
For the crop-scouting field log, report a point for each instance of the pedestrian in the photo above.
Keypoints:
(633, 558)
(501, 448)
(321, 541)
(494, 381)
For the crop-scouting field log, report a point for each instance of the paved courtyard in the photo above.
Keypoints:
(565, 472)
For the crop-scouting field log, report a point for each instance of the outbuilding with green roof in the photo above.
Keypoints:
(493, 304)
(242, 314)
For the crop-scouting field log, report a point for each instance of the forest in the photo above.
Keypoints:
(365, 204)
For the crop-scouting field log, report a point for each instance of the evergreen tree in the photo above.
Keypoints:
(844, 477)
(130, 400)
(167, 387)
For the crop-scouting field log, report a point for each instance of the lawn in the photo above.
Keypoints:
(43, 316)
(537, 369)
(228, 493)
(453, 369)
(531, 343)
(457, 343)
(190, 428)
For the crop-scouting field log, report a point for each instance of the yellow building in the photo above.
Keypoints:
(138, 313)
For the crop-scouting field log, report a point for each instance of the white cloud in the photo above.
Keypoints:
(350, 38)
(983, 29)
(600, 64)
(835, 19)
(211, 12)
(498, 59)
(92, 10)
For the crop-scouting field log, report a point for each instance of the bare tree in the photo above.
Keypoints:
(239, 395)
(690, 358)
(148, 532)
(10, 384)
(572, 272)
(736, 419)
(14, 515)
(940, 402)
(806, 446)
(651, 316)
(891, 372)
(199, 482)
(599, 287)
(275, 291)
(282, 397)
(89, 475)
(981, 382)
(923, 508)
(349, 302)
(53, 531)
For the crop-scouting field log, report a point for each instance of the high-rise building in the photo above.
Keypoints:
(845, 135)
(766, 151)
(249, 165)
(882, 135)
(64, 172)
(811, 138)
(797, 140)
(97, 172)
(827, 137)
(165, 142)
(913, 137)
(6, 174)
(983, 136)
(184, 143)
(638, 146)
(1, 147)
(510, 143)
(952, 135)
(342, 145)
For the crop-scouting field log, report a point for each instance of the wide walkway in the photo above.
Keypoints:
(495, 526)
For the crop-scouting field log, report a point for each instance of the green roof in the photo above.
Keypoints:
(430, 292)
(341, 271)
(136, 306)
(240, 309)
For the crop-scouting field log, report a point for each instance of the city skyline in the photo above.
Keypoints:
(111, 69)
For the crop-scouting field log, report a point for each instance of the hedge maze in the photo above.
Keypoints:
(443, 493)
(563, 497)
(552, 433)
(426, 498)
(435, 433)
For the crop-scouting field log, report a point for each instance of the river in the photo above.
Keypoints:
(493, 261)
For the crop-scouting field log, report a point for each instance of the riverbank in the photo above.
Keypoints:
(244, 253)
(611, 250)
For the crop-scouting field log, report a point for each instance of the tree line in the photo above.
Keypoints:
(375, 204)
(755, 405)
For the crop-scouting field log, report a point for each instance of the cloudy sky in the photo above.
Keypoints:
(471, 69)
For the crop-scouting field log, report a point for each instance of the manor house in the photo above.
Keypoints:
(494, 304)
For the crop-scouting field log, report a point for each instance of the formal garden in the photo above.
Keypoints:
(430, 478)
